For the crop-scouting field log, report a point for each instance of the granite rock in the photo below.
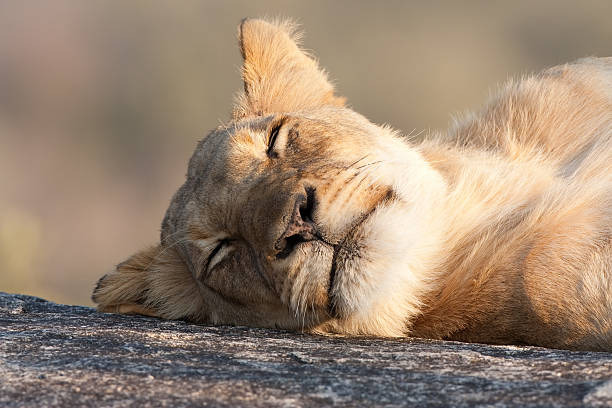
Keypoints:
(58, 355)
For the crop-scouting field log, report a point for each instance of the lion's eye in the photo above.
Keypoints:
(217, 254)
(272, 139)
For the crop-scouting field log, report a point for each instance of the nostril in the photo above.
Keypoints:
(290, 243)
(301, 227)
(307, 207)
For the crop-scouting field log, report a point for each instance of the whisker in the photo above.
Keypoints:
(160, 253)
(180, 231)
(369, 164)
(222, 124)
(411, 136)
(165, 249)
(351, 165)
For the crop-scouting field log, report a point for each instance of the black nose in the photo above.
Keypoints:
(301, 227)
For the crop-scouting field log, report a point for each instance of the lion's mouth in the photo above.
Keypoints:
(342, 250)
(302, 230)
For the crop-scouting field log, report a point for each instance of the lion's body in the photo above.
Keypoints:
(528, 254)
(498, 231)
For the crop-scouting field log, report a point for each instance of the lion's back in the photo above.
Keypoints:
(540, 156)
(562, 115)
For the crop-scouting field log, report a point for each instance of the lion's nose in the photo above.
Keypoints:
(301, 227)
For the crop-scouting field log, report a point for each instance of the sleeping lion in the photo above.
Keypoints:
(303, 215)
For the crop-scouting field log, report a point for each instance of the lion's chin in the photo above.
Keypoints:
(306, 286)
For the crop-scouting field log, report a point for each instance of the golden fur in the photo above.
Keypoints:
(301, 214)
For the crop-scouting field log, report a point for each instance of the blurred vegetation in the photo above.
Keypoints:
(101, 103)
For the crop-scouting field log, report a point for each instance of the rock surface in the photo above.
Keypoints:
(57, 355)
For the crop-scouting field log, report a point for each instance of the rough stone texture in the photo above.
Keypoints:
(57, 355)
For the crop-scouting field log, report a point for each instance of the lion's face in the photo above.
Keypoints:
(300, 213)
(279, 211)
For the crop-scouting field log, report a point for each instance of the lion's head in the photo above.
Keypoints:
(299, 213)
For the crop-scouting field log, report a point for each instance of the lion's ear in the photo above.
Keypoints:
(152, 282)
(278, 76)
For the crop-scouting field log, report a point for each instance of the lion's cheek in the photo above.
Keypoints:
(381, 273)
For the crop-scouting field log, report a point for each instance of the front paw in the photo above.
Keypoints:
(127, 308)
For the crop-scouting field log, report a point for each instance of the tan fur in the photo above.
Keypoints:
(498, 231)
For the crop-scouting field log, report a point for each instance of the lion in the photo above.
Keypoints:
(301, 214)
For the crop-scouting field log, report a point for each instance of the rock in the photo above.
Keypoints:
(57, 355)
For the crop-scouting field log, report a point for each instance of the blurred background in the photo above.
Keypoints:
(102, 102)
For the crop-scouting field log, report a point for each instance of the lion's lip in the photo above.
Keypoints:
(332, 309)
(341, 245)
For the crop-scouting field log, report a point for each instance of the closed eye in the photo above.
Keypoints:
(272, 138)
(217, 254)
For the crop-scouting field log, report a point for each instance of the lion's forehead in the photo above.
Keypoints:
(236, 150)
